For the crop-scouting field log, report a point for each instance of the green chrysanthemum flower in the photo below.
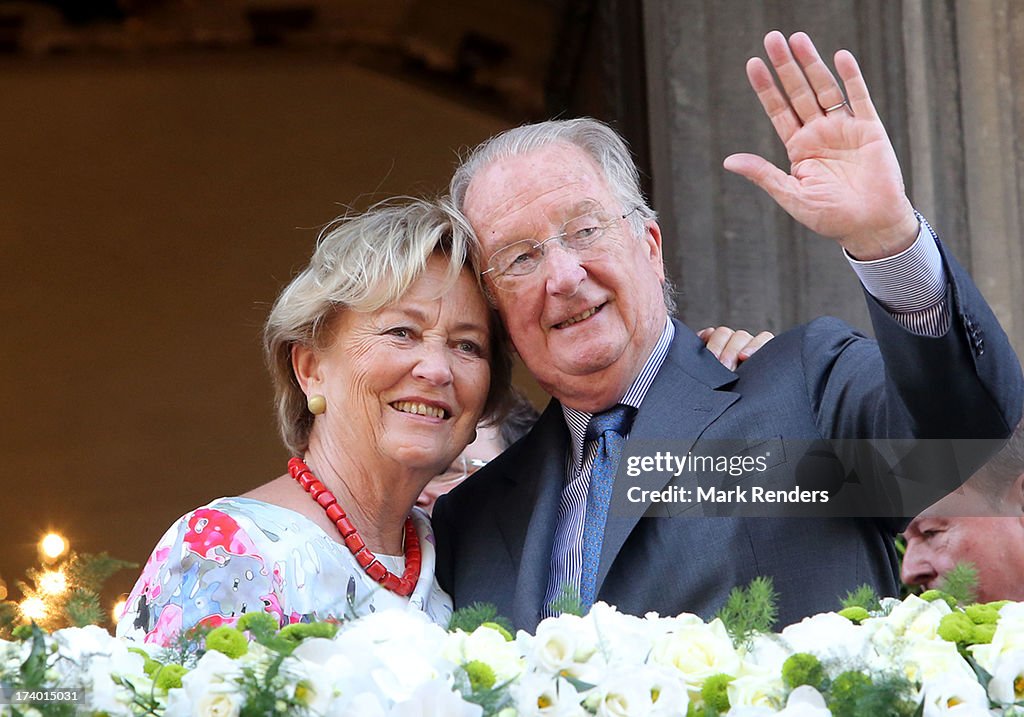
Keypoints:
(168, 677)
(932, 595)
(846, 690)
(956, 627)
(228, 640)
(855, 614)
(803, 669)
(714, 692)
(481, 675)
(299, 631)
(257, 621)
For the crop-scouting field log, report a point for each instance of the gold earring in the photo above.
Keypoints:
(316, 404)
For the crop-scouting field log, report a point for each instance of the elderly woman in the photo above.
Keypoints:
(384, 357)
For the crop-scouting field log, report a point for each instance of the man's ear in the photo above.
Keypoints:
(652, 239)
(306, 367)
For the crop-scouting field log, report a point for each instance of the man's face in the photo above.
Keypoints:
(938, 540)
(583, 323)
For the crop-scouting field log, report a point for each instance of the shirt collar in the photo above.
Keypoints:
(577, 420)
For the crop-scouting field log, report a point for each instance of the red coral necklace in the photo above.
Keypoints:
(368, 561)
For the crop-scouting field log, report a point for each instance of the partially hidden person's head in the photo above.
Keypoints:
(570, 253)
(981, 524)
(388, 332)
(491, 440)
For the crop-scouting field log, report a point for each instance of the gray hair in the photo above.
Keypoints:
(363, 263)
(597, 140)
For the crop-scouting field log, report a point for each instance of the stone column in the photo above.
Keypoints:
(948, 80)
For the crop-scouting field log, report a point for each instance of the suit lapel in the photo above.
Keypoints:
(681, 403)
(528, 518)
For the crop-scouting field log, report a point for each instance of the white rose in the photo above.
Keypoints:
(829, 637)
(209, 689)
(487, 645)
(218, 704)
(435, 699)
(1009, 636)
(562, 644)
(626, 639)
(311, 685)
(923, 660)
(1007, 685)
(913, 618)
(697, 650)
(756, 690)
(540, 695)
(805, 701)
(394, 651)
(640, 691)
(953, 696)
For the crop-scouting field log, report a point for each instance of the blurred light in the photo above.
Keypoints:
(3, 589)
(118, 608)
(33, 608)
(53, 582)
(52, 546)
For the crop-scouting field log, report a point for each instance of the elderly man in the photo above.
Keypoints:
(981, 525)
(573, 262)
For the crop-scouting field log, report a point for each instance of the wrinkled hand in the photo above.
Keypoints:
(844, 180)
(732, 347)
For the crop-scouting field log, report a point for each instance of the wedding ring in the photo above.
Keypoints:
(833, 108)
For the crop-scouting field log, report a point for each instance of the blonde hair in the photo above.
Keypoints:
(363, 263)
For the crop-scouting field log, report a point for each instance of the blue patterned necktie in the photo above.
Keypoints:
(609, 429)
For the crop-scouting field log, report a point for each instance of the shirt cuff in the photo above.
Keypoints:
(912, 280)
(911, 285)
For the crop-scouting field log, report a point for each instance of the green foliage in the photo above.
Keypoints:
(77, 605)
(472, 616)
(854, 694)
(227, 640)
(92, 571)
(750, 610)
(83, 608)
(863, 597)
(803, 669)
(961, 582)
(715, 692)
(8, 617)
(846, 690)
(568, 602)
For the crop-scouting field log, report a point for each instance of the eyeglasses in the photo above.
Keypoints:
(582, 236)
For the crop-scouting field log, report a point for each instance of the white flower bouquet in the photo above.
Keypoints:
(910, 658)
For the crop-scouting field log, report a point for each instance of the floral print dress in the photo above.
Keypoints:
(239, 555)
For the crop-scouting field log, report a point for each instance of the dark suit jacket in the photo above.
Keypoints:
(822, 380)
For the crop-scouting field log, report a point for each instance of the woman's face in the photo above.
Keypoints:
(406, 384)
